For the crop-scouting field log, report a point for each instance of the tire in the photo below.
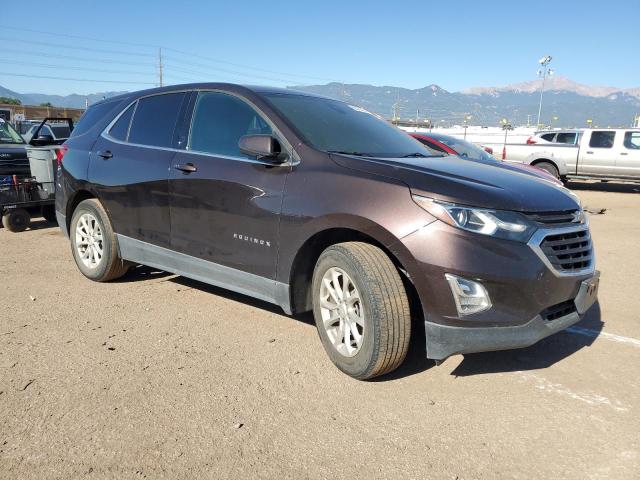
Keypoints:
(382, 308)
(49, 214)
(549, 168)
(16, 220)
(101, 267)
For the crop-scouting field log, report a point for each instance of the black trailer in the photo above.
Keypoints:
(20, 199)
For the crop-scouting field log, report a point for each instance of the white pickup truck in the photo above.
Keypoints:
(599, 153)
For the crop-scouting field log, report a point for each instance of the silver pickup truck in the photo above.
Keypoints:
(603, 154)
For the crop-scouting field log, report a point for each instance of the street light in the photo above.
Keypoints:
(544, 62)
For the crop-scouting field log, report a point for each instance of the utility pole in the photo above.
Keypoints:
(544, 61)
(160, 66)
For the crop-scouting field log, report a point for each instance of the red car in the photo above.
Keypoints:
(456, 146)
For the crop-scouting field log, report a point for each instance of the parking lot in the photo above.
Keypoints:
(158, 376)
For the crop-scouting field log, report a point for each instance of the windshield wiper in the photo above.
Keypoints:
(415, 155)
(357, 154)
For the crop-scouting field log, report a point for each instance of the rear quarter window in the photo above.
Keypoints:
(92, 116)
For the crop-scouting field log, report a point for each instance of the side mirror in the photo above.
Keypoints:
(262, 146)
(42, 140)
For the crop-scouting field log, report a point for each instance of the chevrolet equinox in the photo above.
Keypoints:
(315, 204)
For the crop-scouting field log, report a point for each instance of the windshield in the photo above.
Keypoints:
(334, 126)
(464, 149)
(8, 134)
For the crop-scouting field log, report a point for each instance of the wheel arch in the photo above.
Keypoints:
(302, 267)
(562, 170)
(73, 203)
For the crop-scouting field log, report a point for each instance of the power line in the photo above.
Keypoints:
(78, 37)
(74, 79)
(214, 60)
(181, 52)
(80, 59)
(75, 47)
(231, 72)
(46, 65)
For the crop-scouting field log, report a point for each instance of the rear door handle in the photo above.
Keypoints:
(589, 153)
(186, 168)
(106, 154)
(624, 153)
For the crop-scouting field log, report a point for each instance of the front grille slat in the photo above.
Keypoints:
(556, 219)
(568, 252)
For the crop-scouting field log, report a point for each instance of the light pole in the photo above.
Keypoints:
(544, 61)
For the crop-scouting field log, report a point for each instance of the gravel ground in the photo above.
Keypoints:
(157, 376)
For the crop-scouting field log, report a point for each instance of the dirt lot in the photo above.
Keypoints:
(156, 376)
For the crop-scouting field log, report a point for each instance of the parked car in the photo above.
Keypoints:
(314, 204)
(13, 156)
(567, 137)
(602, 154)
(58, 131)
(449, 145)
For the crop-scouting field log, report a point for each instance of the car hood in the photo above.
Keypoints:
(453, 179)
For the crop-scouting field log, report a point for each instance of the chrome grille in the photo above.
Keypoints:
(568, 252)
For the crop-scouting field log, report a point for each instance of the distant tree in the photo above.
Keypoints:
(10, 101)
(48, 104)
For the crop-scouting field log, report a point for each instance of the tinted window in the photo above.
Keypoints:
(632, 140)
(60, 131)
(548, 137)
(602, 139)
(155, 120)
(120, 129)
(566, 138)
(219, 120)
(334, 126)
(94, 114)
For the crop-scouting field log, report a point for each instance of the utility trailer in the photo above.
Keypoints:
(24, 197)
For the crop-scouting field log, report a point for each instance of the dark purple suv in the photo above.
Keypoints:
(315, 204)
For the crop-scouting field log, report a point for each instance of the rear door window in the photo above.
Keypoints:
(548, 137)
(155, 120)
(602, 139)
(566, 137)
(219, 120)
(632, 140)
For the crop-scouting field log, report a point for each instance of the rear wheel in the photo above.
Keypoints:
(549, 168)
(361, 309)
(16, 220)
(94, 244)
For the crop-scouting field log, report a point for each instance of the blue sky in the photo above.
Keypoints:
(409, 44)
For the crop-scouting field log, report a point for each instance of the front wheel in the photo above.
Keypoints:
(94, 244)
(361, 309)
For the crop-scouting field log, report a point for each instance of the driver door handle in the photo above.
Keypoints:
(186, 168)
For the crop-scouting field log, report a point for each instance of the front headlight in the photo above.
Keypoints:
(496, 223)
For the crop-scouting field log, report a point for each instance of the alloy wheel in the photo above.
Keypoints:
(342, 313)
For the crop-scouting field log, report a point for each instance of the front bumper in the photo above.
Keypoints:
(522, 287)
(444, 341)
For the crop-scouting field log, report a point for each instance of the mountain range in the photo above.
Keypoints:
(572, 103)
(69, 101)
